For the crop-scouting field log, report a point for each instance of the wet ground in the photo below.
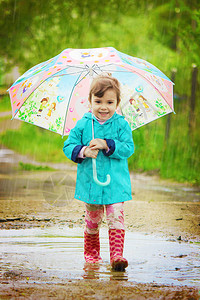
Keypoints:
(41, 238)
(57, 251)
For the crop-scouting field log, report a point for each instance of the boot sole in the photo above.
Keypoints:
(119, 266)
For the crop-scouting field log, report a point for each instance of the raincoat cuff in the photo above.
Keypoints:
(75, 154)
(111, 146)
(81, 155)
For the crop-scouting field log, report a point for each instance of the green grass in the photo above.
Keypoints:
(40, 144)
(30, 167)
(176, 158)
(5, 103)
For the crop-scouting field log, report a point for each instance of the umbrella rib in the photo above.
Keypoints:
(81, 78)
(66, 74)
(144, 78)
(152, 85)
(76, 66)
(41, 84)
(104, 65)
(69, 101)
(119, 71)
(73, 66)
(122, 71)
(67, 67)
(152, 120)
(37, 125)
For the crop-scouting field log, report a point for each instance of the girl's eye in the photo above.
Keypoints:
(110, 102)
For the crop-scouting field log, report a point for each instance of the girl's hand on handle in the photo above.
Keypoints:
(88, 152)
(98, 144)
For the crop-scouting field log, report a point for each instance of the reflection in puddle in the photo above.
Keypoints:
(58, 252)
(102, 271)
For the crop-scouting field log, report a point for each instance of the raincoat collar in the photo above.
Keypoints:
(115, 116)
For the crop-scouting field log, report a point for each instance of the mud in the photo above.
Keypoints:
(161, 213)
(46, 198)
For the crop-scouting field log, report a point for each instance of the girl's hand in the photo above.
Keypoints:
(88, 152)
(98, 144)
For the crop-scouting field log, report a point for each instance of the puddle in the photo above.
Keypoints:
(58, 252)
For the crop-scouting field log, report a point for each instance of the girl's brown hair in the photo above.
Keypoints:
(44, 99)
(101, 84)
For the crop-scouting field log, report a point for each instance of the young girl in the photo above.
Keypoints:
(112, 145)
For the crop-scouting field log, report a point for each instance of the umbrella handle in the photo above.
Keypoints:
(107, 182)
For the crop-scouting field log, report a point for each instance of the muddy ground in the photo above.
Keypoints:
(43, 199)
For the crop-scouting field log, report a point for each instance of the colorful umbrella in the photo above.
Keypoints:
(54, 94)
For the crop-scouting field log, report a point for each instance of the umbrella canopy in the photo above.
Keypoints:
(54, 94)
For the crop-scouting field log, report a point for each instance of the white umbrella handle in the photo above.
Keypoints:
(107, 182)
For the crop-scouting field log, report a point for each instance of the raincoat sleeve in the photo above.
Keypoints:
(73, 145)
(123, 146)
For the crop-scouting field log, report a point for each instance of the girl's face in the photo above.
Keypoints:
(104, 108)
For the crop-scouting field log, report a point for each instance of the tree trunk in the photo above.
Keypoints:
(192, 98)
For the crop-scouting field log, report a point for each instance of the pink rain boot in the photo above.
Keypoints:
(116, 240)
(92, 248)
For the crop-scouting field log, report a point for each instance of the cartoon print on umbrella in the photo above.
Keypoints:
(51, 108)
(43, 105)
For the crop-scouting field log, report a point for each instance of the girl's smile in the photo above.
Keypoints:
(104, 108)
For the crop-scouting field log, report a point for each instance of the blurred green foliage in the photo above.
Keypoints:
(34, 31)
(5, 103)
(165, 33)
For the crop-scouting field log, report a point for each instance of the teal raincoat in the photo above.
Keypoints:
(118, 135)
